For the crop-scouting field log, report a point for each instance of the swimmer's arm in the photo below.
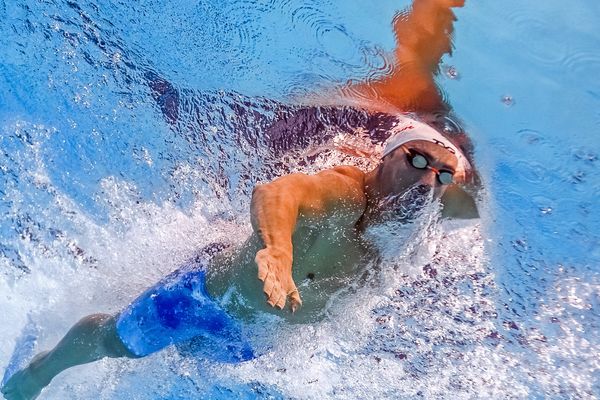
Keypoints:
(423, 36)
(278, 208)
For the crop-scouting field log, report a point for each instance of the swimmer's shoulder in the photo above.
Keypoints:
(344, 172)
(347, 171)
(344, 183)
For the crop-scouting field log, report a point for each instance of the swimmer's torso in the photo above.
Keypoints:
(326, 259)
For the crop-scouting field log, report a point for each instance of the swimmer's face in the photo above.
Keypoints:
(405, 168)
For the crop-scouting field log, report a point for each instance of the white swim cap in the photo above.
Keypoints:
(409, 129)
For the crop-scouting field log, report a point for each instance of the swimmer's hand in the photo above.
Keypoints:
(452, 3)
(275, 271)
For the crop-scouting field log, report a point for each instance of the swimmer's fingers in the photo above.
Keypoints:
(280, 302)
(275, 295)
(269, 285)
(274, 270)
(295, 300)
(272, 289)
(263, 269)
(452, 3)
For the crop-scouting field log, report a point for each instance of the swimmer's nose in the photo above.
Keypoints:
(429, 179)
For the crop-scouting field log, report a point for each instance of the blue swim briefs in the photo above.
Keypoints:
(177, 309)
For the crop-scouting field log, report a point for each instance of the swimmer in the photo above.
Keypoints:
(306, 228)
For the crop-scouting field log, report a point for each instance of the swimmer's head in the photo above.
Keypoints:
(409, 130)
(416, 156)
(419, 163)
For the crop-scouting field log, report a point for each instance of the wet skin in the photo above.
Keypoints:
(326, 259)
(92, 338)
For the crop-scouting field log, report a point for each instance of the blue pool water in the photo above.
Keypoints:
(100, 195)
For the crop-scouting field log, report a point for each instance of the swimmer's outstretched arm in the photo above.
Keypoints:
(281, 206)
(423, 36)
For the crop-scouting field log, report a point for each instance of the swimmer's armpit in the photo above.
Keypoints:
(423, 35)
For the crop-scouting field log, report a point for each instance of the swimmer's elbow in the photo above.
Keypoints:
(273, 198)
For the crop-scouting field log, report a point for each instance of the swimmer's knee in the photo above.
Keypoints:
(92, 325)
(112, 343)
(103, 328)
(95, 320)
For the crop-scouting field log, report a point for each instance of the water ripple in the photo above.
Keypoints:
(534, 31)
(558, 56)
(583, 62)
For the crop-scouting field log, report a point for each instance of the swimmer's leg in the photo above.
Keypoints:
(92, 338)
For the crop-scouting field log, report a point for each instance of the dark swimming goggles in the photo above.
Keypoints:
(419, 161)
